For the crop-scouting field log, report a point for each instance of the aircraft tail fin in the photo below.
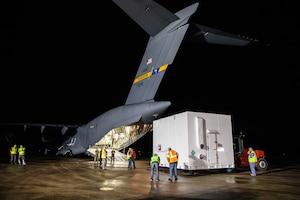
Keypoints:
(160, 52)
(166, 31)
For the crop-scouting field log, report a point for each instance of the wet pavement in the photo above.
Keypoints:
(59, 178)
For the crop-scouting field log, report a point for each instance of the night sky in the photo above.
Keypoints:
(68, 62)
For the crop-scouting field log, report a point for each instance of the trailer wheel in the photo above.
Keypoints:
(228, 170)
(262, 164)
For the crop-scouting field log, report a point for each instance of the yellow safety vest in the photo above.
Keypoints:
(155, 159)
(21, 151)
(103, 154)
(252, 157)
(14, 150)
(128, 156)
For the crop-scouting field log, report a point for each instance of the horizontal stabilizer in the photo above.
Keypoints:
(149, 15)
(209, 35)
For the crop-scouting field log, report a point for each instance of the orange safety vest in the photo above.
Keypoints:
(173, 156)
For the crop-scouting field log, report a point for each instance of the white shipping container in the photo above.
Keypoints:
(202, 140)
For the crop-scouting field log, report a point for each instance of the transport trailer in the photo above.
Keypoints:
(202, 140)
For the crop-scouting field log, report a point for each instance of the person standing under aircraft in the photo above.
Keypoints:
(131, 156)
(154, 163)
(104, 158)
(100, 158)
(96, 156)
(128, 156)
(13, 154)
(252, 159)
(21, 157)
(112, 161)
(172, 157)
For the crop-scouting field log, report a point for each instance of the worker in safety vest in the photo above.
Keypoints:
(131, 156)
(172, 157)
(13, 154)
(154, 162)
(252, 159)
(104, 158)
(21, 157)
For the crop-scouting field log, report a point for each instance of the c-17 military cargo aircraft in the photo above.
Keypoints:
(166, 32)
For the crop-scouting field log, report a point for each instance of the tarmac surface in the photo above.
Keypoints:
(56, 178)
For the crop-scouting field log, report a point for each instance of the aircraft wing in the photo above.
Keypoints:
(11, 130)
